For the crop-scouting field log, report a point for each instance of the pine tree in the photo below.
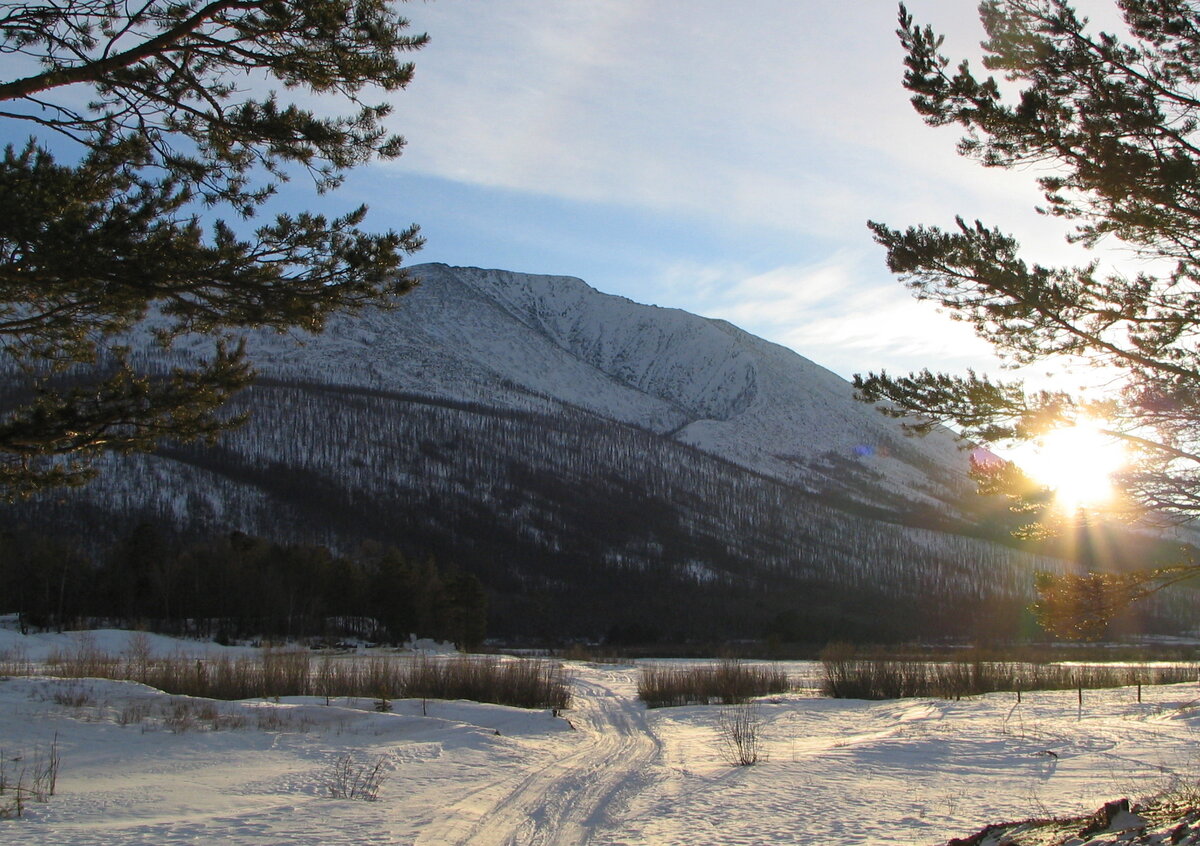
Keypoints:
(1112, 124)
(179, 128)
(465, 611)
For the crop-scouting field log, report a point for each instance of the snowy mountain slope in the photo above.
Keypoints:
(602, 466)
(498, 337)
(744, 398)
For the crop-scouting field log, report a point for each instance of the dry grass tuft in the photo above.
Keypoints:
(726, 682)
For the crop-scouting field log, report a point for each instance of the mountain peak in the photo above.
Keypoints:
(563, 443)
(501, 337)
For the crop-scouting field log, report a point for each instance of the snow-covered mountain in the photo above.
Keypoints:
(503, 339)
(605, 467)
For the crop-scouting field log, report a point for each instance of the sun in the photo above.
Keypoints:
(1077, 462)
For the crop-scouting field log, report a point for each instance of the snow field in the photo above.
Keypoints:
(914, 771)
(147, 782)
(141, 767)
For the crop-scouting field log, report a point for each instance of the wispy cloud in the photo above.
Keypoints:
(834, 313)
(774, 120)
(783, 115)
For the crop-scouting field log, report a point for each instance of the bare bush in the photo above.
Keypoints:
(15, 662)
(287, 672)
(44, 779)
(524, 683)
(180, 716)
(847, 676)
(739, 735)
(138, 654)
(325, 681)
(25, 778)
(84, 660)
(72, 696)
(133, 713)
(726, 682)
(270, 719)
(349, 779)
(184, 714)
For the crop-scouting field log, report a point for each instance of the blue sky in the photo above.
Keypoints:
(717, 157)
(720, 158)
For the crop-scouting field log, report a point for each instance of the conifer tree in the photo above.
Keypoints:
(167, 135)
(1110, 121)
(465, 611)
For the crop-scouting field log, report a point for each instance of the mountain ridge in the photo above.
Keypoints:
(699, 380)
(601, 465)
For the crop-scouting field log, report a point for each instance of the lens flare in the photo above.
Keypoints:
(1078, 463)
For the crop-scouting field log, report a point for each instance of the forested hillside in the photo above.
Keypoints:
(580, 524)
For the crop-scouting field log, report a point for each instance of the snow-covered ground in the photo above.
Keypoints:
(141, 767)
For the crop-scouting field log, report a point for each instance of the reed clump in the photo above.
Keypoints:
(27, 777)
(524, 683)
(848, 676)
(726, 682)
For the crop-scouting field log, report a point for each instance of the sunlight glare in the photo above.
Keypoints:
(1078, 463)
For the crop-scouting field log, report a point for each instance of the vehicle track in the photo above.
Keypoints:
(564, 802)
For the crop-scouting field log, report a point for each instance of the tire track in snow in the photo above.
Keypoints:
(564, 802)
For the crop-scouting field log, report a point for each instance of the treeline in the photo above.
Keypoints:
(544, 488)
(235, 586)
(578, 527)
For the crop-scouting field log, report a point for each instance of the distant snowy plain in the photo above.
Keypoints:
(605, 772)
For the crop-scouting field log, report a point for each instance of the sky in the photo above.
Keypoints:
(719, 158)
(698, 154)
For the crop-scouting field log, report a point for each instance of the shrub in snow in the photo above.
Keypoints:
(351, 780)
(739, 735)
